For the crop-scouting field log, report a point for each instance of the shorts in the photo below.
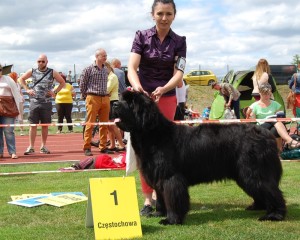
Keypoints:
(40, 112)
(270, 126)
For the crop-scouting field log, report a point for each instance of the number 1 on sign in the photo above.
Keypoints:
(114, 193)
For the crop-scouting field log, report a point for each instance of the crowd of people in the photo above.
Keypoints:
(155, 67)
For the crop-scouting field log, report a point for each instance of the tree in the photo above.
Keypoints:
(296, 59)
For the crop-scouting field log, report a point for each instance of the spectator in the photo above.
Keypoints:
(294, 84)
(8, 88)
(41, 95)
(266, 107)
(154, 52)
(93, 86)
(64, 104)
(231, 96)
(181, 96)
(116, 64)
(260, 76)
(113, 131)
(20, 118)
(69, 77)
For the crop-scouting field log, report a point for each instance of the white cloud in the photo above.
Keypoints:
(220, 34)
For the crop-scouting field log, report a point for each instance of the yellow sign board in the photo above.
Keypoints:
(113, 208)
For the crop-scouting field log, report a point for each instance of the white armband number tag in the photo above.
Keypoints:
(180, 64)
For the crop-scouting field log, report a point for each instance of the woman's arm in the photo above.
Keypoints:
(133, 64)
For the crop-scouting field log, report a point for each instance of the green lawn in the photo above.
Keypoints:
(217, 210)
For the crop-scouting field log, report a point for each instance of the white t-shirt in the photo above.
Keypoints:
(181, 94)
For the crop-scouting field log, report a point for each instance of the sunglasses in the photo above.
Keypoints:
(41, 61)
(0, 69)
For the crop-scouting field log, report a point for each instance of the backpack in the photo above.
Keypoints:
(291, 153)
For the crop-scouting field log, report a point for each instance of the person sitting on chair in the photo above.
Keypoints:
(266, 107)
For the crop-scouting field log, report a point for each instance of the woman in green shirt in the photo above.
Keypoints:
(266, 107)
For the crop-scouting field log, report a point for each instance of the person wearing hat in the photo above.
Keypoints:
(231, 96)
(267, 107)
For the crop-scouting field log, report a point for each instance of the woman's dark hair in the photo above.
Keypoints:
(164, 2)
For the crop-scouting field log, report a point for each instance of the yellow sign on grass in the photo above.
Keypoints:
(113, 208)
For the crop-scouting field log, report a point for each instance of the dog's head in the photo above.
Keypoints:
(136, 111)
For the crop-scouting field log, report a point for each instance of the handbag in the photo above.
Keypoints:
(229, 114)
(8, 107)
(291, 98)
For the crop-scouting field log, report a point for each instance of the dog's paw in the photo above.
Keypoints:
(255, 207)
(166, 221)
(157, 214)
(272, 217)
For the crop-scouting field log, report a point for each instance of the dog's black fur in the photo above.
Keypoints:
(173, 157)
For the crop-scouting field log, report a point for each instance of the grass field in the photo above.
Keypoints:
(217, 209)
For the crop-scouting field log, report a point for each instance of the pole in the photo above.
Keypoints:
(75, 73)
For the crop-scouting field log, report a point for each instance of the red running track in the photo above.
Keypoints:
(63, 147)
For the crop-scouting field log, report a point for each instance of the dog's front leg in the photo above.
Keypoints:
(177, 200)
(160, 205)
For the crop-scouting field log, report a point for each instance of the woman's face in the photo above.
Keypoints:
(163, 15)
(265, 94)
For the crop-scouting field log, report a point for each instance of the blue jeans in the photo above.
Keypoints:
(235, 105)
(9, 135)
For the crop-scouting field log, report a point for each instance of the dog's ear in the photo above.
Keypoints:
(146, 112)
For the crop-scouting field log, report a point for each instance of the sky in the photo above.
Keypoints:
(221, 34)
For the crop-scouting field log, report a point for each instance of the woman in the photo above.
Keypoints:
(266, 107)
(294, 84)
(260, 76)
(113, 91)
(8, 88)
(154, 52)
(64, 104)
(20, 118)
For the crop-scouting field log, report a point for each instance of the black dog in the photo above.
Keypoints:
(173, 157)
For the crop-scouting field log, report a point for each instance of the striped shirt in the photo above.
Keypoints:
(93, 80)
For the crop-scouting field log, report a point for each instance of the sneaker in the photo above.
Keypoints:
(58, 132)
(120, 149)
(44, 150)
(95, 143)
(107, 151)
(21, 133)
(87, 152)
(147, 209)
(28, 151)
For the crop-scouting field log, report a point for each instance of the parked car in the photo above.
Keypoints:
(200, 77)
(241, 80)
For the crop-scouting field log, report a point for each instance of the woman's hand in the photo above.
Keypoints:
(30, 92)
(157, 93)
